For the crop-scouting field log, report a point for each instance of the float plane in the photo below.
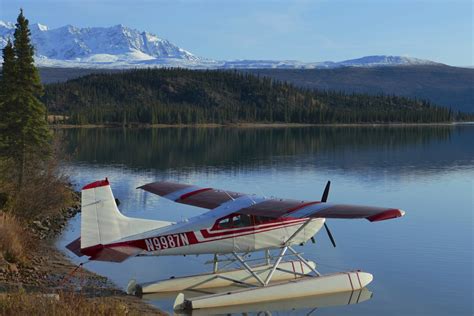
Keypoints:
(235, 226)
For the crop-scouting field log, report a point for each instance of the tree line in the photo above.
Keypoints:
(181, 96)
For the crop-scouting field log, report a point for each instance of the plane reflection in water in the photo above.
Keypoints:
(309, 303)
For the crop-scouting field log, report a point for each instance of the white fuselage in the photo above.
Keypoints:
(242, 239)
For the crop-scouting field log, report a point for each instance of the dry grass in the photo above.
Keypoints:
(13, 239)
(64, 304)
(42, 194)
(44, 191)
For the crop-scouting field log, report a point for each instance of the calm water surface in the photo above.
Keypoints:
(422, 263)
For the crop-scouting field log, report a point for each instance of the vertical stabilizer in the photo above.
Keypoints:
(101, 221)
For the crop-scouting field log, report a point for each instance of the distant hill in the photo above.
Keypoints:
(181, 96)
(443, 85)
(54, 75)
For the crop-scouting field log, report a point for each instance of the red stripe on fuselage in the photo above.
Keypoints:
(284, 221)
(251, 232)
(141, 243)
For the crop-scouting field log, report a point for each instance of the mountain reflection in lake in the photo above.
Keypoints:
(422, 263)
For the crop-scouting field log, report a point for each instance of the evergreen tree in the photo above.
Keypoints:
(8, 96)
(25, 134)
(8, 72)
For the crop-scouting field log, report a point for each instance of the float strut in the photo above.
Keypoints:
(275, 265)
(248, 268)
(267, 256)
(216, 263)
(304, 261)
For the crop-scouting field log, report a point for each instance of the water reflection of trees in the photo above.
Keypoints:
(163, 148)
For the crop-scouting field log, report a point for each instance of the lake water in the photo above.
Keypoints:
(422, 263)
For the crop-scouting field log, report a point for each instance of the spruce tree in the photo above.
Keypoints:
(25, 135)
(8, 72)
(7, 101)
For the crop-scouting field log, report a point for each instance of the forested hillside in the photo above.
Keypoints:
(179, 96)
(443, 85)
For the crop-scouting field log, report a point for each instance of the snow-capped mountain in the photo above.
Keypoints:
(123, 47)
(96, 45)
(367, 61)
(382, 60)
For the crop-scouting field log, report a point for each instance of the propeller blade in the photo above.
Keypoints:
(326, 192)
(324, 199)
(330, 235)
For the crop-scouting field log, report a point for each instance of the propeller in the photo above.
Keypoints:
(324, 198)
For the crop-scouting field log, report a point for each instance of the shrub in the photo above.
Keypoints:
(44, 191)
(13, 239)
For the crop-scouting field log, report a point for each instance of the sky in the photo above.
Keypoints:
(318, 30)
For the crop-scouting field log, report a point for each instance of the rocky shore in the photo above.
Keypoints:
(48, 270)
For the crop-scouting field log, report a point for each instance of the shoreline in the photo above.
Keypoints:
(49, 270)
(255, 125)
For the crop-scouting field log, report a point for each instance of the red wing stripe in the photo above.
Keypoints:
(299, 207)
(189, 194)
(388, 214)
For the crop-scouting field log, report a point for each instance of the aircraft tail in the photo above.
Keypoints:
(103, 224)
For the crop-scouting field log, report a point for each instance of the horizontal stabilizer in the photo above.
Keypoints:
(75, 247)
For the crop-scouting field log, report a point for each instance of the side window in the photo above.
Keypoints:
(234, 221)
(241, 220)
(262, 219)
(225, 223)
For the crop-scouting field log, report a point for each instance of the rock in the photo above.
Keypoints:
(39, 226)
(12, 268)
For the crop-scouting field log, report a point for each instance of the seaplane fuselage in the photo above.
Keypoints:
(272, 234)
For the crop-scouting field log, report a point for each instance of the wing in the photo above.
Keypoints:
(208, 198)
(211, 198)
(276, 209)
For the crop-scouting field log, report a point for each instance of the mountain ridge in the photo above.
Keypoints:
(73, 45)
(123, 47)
